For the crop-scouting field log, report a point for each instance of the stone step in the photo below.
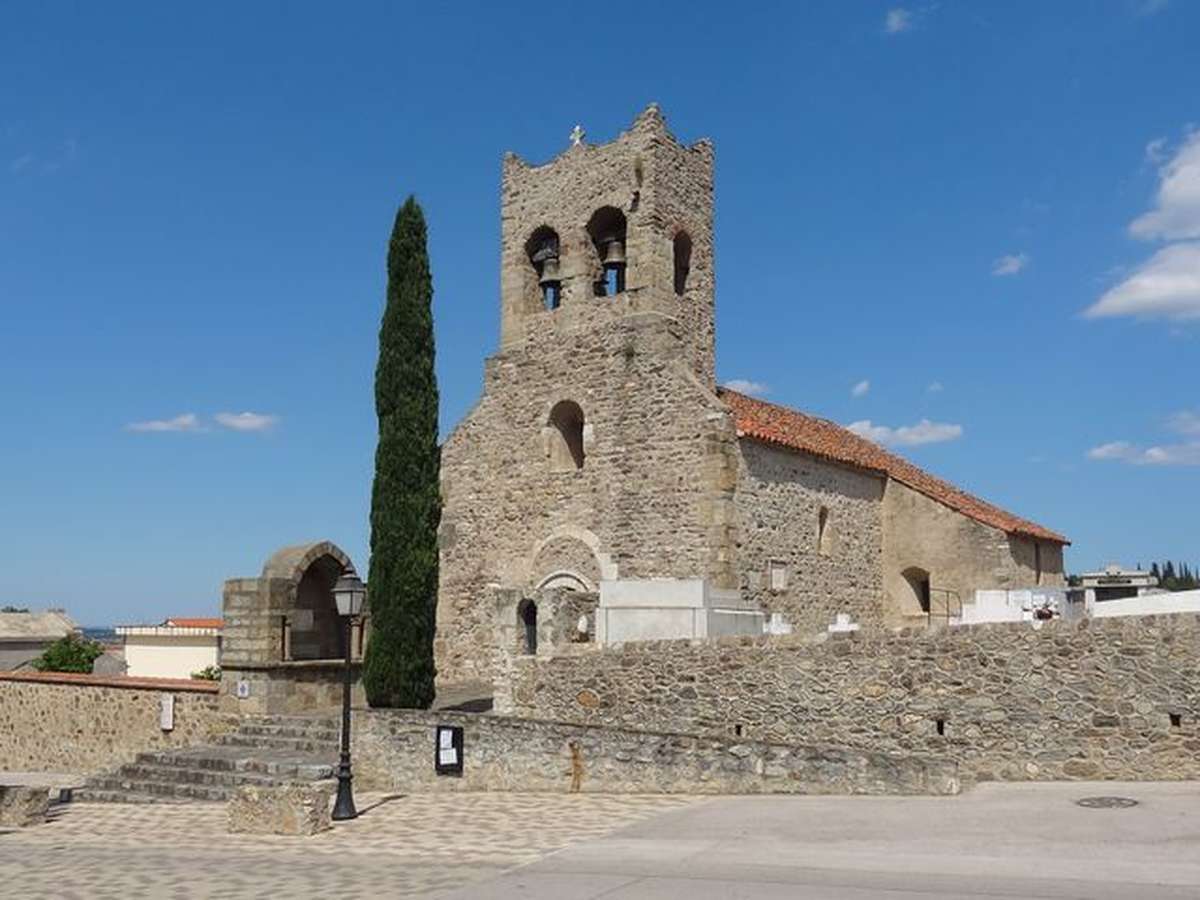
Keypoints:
(289, 731)
(103, 795)
(291, 765)
(165, 774)
(159, 790)
(331, 723)
(276, 744)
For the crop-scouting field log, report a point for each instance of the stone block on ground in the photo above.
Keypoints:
(22, 805)
(296, 809)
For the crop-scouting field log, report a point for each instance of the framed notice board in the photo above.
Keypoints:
(448, 750)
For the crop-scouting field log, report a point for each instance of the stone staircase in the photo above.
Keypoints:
(264, 750)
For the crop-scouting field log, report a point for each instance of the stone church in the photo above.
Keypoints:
(603, 452)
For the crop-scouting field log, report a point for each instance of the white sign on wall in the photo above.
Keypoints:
(166, 712)
(243, 689)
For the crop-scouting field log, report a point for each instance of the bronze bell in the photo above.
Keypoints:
(549, 273)
(614, 253)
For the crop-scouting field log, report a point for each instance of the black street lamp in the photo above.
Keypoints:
(349, 593)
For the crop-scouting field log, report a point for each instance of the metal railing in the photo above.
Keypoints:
(951, 606)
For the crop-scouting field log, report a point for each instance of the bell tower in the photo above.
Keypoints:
(605, 232)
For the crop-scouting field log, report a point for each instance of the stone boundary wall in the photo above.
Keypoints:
(84, 724)
(1107, 699)
(394, 750)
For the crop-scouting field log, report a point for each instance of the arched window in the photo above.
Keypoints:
(824, 533)
(607, 230)
(566, 439)
(527, 623)
(683, 261)
(542, 249)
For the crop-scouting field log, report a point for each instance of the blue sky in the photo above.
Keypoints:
(917, 207)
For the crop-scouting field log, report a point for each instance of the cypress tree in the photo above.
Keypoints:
(402, 582)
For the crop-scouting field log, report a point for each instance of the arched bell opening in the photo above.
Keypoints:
(607, 229)
(542, 248)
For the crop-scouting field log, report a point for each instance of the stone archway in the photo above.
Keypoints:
(311, 628)
(282, 646)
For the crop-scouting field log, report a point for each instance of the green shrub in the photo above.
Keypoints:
(72, 653)
(208, 673)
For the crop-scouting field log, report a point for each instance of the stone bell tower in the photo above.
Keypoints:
(610, 231)
(599, 450)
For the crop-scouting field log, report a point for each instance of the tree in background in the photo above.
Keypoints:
(69, 654)
(1175, 576)
(405, 503)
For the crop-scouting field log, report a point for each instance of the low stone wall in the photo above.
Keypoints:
(1111, 699)
(394, 750)
(58, 722)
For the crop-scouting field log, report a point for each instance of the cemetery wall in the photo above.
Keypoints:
(1108, 699)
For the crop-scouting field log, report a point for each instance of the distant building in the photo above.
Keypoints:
(1115, 583)
(175, 649)
(24, 635)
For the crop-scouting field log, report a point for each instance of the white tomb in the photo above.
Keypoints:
(672, 609)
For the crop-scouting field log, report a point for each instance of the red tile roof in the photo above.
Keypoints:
(788, 428)
(195, 623)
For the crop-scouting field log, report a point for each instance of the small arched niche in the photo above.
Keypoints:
(607, 231)
(542, 248)
(682, 247)
(566, 436)
(917, 599)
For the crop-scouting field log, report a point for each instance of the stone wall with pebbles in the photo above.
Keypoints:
(59, 722)
(1114, 698)
(394, 750)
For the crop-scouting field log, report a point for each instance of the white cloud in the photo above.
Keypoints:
(20, 163)
(1167, 285)
(184, 422)
(860, 389)
(1159, 455)
(1156, 151)
(924, 432)
(1185, 422)
(750, 388)
(898, 20)
(1010, 264)
(1151, 7)
(1177, 213)
(935, 387)
(246, 421)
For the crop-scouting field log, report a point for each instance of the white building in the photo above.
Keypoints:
(178, 648)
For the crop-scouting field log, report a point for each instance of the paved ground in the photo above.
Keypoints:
(997, 841)
(405, 846)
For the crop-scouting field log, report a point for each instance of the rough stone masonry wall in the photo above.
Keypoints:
(394, 751)
(83, 724)
(1113, 698)
(779, 500)
(653, 499)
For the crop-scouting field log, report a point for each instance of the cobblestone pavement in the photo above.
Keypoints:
(420, 845)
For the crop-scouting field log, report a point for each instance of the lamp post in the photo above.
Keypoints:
(349, 593)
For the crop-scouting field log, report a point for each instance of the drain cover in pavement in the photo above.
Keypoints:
(1106, 802)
